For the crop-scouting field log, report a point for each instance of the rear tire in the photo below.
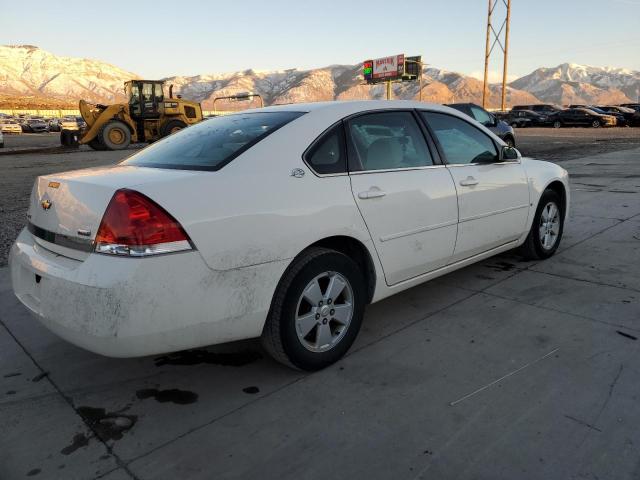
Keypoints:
(115, 135)
(172, 126)
(310, 324)
(557, 124)
(595, 124)
(546, 230)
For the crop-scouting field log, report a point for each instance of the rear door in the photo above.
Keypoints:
(406, 197)
(493, 196)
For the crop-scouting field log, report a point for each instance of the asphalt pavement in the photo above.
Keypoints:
(503, 370)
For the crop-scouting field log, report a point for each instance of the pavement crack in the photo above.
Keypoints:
(612, 386)
(582, 422)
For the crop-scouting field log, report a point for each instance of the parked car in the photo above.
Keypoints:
(185, 243)
(34, 125)
(581, 117)
(620, 120)
(526, 118)
(541, 108)
(635, 106)
(631, 116)
(54, 124)
(72, 123)
(499, 127)
(10, 126)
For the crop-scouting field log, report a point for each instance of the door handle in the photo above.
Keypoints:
(372, 193)
(469, 181)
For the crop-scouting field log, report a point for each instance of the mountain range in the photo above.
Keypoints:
(34, 78)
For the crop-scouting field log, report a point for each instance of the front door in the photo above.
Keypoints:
(493, 196)
(407, 200)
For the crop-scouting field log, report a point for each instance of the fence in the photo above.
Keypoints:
(40, 113)
(63, 113)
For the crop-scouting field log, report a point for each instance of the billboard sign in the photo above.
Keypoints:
(383, 69)
(393, 68)
(387, 68)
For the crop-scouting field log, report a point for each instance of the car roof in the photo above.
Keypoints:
(348, 107)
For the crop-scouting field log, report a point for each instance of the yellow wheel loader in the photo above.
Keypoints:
(146, 117)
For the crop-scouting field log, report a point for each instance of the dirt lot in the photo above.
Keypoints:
(20, 170)
(568, 143)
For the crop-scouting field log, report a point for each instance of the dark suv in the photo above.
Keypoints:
(541, 108)
(499, 127)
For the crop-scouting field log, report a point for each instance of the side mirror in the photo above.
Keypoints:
(508, 154)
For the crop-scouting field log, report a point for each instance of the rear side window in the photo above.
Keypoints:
(387, 140)
(328, 154)
(461, 142)
(212, 144)
(481, 116)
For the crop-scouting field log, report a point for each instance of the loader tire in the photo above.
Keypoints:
(115, 135)
(171, 126)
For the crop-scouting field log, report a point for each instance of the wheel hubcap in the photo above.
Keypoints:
(549, 228)
(116, 136)
(324, 312)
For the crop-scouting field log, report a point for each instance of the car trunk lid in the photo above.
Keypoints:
(66, 209)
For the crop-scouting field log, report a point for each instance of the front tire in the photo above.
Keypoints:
(595, 124)
(115, 135)
(557, 124)
(546, 230)
(510, 141)
(317, 310)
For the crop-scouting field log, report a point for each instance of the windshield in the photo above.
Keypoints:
(212, 144)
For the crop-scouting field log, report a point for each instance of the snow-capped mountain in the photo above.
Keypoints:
(336, 82)
(34, 78)
(28, 71)
(573, 83)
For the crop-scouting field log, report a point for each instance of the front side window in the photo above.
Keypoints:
(387, 140)
(461, 142)
(328, 154)
(212, 144)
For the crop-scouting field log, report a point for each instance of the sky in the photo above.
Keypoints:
(160, 38)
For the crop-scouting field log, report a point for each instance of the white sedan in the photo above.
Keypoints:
(10, 126)
(281, 223)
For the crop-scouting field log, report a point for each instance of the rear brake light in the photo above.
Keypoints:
(134, 225)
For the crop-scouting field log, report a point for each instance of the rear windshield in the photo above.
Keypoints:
(212, 144)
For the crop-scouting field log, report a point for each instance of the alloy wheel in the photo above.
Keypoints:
(549, 227)
(324, 311)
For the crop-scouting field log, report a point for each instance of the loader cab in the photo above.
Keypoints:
(145, 98)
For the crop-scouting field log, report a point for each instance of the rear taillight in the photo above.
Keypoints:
(134, 225)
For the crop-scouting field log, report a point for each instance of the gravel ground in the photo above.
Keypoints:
(20, 170)
(569, 143)
(18, 174)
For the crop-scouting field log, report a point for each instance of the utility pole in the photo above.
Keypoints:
(504, 46)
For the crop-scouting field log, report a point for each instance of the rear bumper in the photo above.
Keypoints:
(124, 307)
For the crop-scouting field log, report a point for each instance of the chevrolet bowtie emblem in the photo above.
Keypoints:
(46, 204)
